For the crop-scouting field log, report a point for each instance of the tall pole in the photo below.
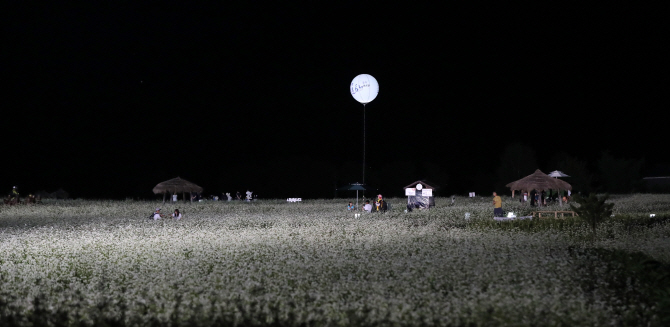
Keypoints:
(356, 199)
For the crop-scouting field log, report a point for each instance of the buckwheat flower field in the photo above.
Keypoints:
(91, 263)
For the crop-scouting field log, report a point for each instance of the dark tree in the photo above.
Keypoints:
(517, 161)
(619, 175)
(580, 178)
(593, 209)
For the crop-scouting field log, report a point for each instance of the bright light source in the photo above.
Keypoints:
(510, 215)
(652, 215)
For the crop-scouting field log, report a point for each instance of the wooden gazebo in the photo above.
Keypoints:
(539, 181)
(177, 185)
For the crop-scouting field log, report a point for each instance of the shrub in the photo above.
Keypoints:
(593, 209)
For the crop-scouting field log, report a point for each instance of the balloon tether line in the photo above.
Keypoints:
(364, 148)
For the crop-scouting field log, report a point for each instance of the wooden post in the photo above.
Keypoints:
(191, 196)
(183, 196)
(163, 197)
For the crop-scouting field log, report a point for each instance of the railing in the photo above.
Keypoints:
(556, 213)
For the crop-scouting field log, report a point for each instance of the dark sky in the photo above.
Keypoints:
(106, 100)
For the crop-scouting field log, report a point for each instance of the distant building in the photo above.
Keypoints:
(58, 194)
(660, 184)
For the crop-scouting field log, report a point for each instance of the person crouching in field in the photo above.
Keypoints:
(367, 207)
(351, 206)
(156, 215)
(176, 215)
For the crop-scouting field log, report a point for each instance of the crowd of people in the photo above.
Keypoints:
(541, 198)
(157, 215)
(536, 199)
(14, 197)
(198, 197)
(380, 205)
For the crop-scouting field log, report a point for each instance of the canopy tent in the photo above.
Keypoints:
(353, 187)
(539, 181)
(421, 197)
(557, 173)
(176, 185)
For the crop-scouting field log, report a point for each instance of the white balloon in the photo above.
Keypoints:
(364, 88)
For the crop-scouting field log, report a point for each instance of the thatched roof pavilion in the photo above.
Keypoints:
(538, 181)
(176, 185)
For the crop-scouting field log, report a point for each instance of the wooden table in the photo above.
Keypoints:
(556, 213)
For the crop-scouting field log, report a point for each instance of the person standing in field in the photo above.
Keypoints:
(380, 204)
(497, 205)
(15, 193)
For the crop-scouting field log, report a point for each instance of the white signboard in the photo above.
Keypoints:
(410, 191)
(427, 192)
(472, 194)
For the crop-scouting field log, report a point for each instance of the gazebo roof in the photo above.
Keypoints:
(539, 181)
(425, 185)
(176, 185)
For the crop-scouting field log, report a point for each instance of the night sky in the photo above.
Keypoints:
(107, 100)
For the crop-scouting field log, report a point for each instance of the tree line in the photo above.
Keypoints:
(608, 174)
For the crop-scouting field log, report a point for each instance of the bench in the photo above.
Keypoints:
(556, 213)
(512, 218)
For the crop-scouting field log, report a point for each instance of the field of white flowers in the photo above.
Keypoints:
(312, 263)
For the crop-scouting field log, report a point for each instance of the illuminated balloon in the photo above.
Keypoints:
(364, 88)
